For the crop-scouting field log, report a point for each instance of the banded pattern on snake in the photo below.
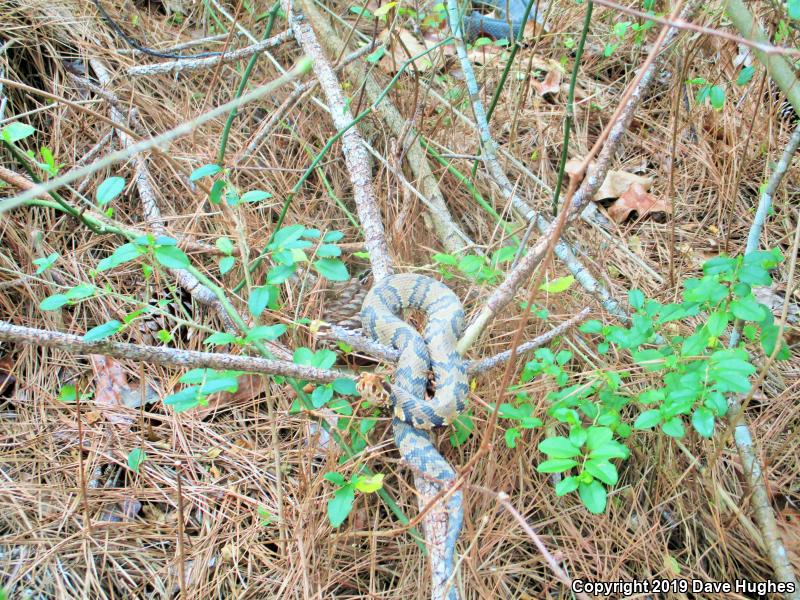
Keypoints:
(434, 350)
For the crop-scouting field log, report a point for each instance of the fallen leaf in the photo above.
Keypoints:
(110, 383)
(615, 184)
(618, 183)
(635, 199)
(551, 84)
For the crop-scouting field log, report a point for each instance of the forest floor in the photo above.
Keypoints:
(247, 470)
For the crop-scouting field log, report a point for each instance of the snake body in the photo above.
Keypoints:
(434, 350)
(508, 11)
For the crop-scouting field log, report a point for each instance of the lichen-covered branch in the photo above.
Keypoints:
(161, 355)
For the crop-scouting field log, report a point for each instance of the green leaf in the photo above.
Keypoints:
(45, 263)
(108, 190)
(265, 332)
(602, 470)
(121, 255)
(567, 485)
(558, 285)
(68, 394)
(598, 436)
(333, 236)
(217, 188)
(593, 496)
(224, 245)
(280, 273)
(578, 436)
(463, 426)
(703, 422)
(341, 504)
(102, 331)
(717, 323)
(648, 419)
(369, 483)
(53, 302)
(332, 269)
(556, 465)
(135, 459)
(336, 479)
(323, 359)
(612, 449)
(255, 196)
(470, 264)
(559, 447)
(511, 436)
(636, 299)
(716, 96)
(220, 338)
(593, 326)
(329, 251)
(16, 131)
(748, 309)
(286, 235)
(226, 264)
(719, 265)
(184, 400)
(303, 356)
(321, 395)
(375, 56)
(345, 387)
(171, 257)
(81, 291)
(260, 298)
(445, 259)
(651, 359)
(746, 74)
(204, 171)
(673, 428)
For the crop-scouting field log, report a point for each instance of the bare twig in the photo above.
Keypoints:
(169, 357)
(210, 61)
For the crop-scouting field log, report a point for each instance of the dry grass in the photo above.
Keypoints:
(664, 518)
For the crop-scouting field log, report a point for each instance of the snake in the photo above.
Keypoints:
(414, 417)
(477, 24)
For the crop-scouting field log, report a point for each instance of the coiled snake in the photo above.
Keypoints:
(434, 350)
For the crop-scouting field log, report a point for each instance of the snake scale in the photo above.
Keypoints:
(434, 350)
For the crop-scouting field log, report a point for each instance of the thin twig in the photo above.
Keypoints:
(177, 66)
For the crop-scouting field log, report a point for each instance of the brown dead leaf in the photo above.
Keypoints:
(618, 182)
(615, 184)
(551, 84)
(635, 199)
(110, 384)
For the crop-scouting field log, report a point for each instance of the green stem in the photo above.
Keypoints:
(562, 164)
(223, 143)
